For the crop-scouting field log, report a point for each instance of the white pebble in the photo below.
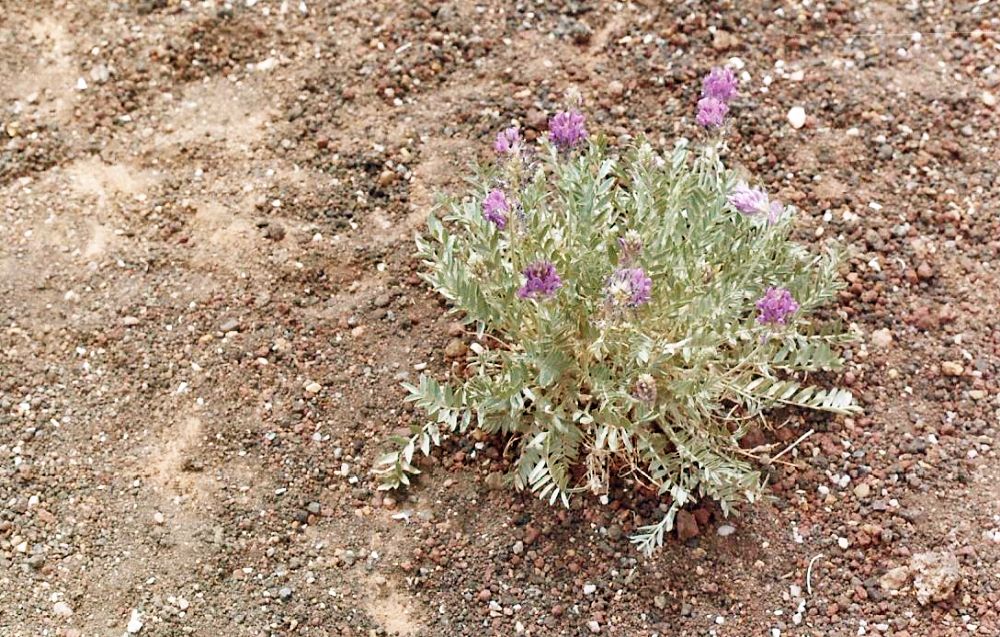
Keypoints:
(589, 589)
(134, 622)
(62, 609)
(843, 543)
(797, 117)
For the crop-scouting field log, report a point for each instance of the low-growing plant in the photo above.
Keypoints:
(635, 313)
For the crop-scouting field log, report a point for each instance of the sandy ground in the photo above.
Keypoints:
(205, 208)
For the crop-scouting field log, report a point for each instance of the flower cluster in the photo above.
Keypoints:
(776, 306)
(507, 141)
(718, 89)
(567, 129)
(755, 202)
(496, 207)
(541, 281)
(629, 287)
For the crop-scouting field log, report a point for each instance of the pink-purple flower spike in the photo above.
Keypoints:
(507, 141)
(567, 129)
(711, 112)
(721, 84)
(776, 306)
(629, 287)
(541, 281)
(754, 201)
(496, 207)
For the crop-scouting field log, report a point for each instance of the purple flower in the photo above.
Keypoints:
(542, 281)
(754, 201)
(776, 306)
(629, 287)
(711, 112)
(507, 141)
(566, 129)
(720, 83)
(496, 207)
(749, 201)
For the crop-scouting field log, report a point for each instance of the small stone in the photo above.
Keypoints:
(936, 575)
(924, 271)
(589, 589)
(988, 98)
(660, 602)
(881, 339)
(285, 593)
(843, 543)
(594, 626)
(862, 491)
(518, 547)
(313, 387)
(797, 117)
(456, 348)
(616, 88)
(134, 622)
(725, 530)
(158, 518)
(313, 507)
(386, 178)
(687, 526)
(485, 595)
(348, 558)
(62, 609)
(231, 325)
(129, 321)
(951, 368)
(977, 394)
(895, 579)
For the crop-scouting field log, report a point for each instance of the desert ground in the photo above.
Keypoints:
(209, 298)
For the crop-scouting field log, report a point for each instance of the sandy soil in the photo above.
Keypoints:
(207, 207)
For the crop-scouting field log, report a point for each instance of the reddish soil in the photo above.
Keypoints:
(206, 207)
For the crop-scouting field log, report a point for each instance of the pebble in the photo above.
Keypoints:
(134, 622)
(485, 595)
(797, 117)
(594, 626)
(862, 491)
(989, 98)
(951, 368)
(285, 593)
(725, 530)
(62, 609)
(313, 387)
(456, 348)
(935, 576)
(881, 339)
(687, 526)
(589, 589)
